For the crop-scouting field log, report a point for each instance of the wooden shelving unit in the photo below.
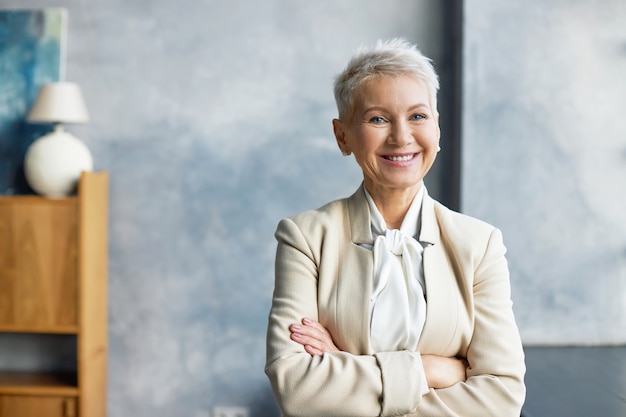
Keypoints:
(53, 280)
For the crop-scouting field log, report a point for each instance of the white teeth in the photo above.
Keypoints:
(400, 158)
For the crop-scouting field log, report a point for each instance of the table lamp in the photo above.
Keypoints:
(54, 162)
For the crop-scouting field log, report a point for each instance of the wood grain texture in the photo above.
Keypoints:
(38, 262)
(36, 406)
(40, 383)
(93, 337)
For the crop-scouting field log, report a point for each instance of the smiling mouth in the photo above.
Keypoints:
(397, 158)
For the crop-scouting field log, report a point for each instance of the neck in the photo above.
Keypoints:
(393, 204)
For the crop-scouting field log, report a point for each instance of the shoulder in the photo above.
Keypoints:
(324, 216)
(314, 225)
(460, 222)
(466, 234)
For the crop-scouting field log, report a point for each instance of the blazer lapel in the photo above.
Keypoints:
(441, 307)
(355, 276)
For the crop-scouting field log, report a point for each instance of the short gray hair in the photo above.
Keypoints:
(392, 57)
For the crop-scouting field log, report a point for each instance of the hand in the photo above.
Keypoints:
(442, 372)
(313, 336)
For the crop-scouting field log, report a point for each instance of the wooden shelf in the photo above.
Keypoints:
(39, 383)
(37, 199)
(9, 328)
(53, 281)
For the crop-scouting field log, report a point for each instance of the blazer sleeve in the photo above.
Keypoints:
(339, 383)
(495, 384)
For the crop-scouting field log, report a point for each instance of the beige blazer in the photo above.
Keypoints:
(322, 273)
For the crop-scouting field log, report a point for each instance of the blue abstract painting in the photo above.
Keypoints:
(32, 53)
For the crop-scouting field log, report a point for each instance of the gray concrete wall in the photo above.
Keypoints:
(544, 158)
(213, 119)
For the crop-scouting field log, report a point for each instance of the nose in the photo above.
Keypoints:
(400, 133)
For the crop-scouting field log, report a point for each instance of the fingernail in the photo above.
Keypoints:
(297, 335)
(307, 321)
(296, 326)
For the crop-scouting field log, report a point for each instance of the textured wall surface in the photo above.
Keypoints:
(213, 119)
(544, 150)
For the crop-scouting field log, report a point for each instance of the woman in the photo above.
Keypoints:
(387, 303)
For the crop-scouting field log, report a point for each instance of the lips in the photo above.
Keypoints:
(399, 158)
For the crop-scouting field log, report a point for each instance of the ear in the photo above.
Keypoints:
(339, 129)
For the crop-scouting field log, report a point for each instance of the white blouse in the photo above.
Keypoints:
(398, 300)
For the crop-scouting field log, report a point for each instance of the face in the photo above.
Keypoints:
(394, 133)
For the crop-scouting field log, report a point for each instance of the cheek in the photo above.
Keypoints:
(365, 147)
(430, 152)
(430, 139)
(367, 161)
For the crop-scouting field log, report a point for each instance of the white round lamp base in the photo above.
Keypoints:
(54, 162)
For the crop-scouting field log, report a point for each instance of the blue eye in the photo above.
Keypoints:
(417, 117)
(377, 120)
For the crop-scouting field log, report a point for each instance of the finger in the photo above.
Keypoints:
(312, 351)
(320, 346)
(295, 327)
(317, 330)
(314, 325)
(307, 343)
(320, 338)
(305, 340)
(304, 331)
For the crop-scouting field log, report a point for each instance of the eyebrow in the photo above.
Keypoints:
(413, 107)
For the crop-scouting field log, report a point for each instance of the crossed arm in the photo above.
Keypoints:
(440, 371)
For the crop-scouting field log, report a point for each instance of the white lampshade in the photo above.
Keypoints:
(60, 102)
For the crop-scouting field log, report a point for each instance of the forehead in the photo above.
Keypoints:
(398, 89)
